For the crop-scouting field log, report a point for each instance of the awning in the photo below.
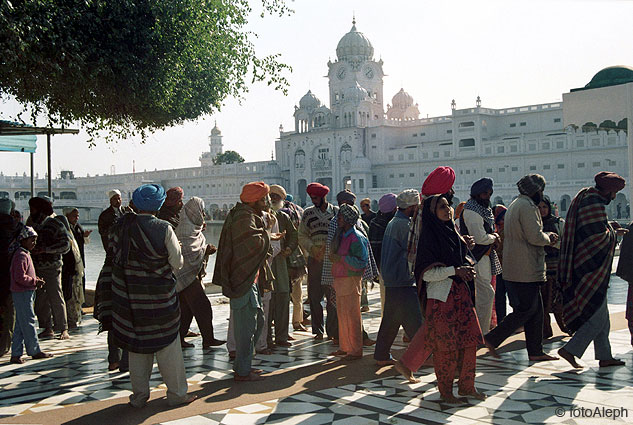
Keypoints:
(18, 143)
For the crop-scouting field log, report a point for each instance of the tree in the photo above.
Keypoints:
(130, 66)
(228, 157)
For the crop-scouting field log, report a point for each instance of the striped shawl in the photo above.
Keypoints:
(145, 309)
(242, 251)
(586, 256)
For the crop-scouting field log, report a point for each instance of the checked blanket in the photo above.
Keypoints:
(586, 256)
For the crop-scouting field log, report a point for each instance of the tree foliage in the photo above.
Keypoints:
(228, 157)
(130, 66)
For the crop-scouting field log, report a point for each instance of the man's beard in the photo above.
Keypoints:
(276, 206)
(483, 202)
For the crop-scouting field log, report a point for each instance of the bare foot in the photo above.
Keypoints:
(382, 363)
(64, 335)
(611, 362)
(491, 349)
(338, 353)
(257, 371)
(250, 377)
(187, 400)
(542, 358)
(404, 371)
(569, 357)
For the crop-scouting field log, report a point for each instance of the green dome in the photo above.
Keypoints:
(611, 76)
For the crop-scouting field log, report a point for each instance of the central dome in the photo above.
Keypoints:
(611, 76)
(354, 45)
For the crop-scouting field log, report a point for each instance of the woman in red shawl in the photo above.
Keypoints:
(451, 329)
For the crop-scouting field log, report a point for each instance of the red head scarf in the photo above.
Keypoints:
(317, 189)
(439, 181)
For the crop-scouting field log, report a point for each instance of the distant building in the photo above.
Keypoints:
(354, 142)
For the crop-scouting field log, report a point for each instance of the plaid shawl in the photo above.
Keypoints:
(586, 256)
(371, 270)
(414, 236)
(145, 309)
(242, 251)
(486, 214)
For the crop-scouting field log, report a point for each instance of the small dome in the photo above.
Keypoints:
(355, 93)
(354, 45)
(402, 100)
(611, 76)
(360, 164)
(309, 101)
(216, 131)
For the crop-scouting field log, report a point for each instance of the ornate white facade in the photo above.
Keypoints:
(353, 142)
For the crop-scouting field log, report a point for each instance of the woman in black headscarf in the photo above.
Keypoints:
(551, 302)
(451, 330)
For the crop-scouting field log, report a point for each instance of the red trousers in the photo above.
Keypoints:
(447, 362)
(350, 326)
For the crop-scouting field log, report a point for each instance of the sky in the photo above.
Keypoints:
(511, 53)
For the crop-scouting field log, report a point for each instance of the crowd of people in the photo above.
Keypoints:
(443, 273)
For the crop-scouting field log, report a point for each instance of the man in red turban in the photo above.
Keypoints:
(586, 257)
(317, 190)
(313, 232)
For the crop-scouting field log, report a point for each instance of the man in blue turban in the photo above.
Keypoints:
(478, 221)
(145, 310)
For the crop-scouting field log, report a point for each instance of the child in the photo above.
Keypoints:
(23, 285)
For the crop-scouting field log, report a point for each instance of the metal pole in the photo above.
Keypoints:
(48, 152)
(32, 178)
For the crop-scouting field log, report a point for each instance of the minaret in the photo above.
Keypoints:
(215, 141)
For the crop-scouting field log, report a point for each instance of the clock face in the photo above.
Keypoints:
(342, 71)
(369, 72)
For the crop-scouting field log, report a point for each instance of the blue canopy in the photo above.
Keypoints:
(18, 143)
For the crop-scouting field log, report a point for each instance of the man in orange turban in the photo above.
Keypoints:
(241, 263)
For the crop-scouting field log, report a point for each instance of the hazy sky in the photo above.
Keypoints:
(511, 53)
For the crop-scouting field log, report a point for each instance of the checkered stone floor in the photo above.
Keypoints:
(518, 392)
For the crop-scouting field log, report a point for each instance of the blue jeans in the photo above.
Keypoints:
(24, 332)
(402, 307)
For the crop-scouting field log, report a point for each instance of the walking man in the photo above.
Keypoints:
(586, 257)
(524, 269)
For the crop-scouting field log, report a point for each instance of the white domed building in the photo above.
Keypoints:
(351, 142)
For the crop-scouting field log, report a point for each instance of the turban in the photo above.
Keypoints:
(318, 190)
(174, 195)
(610, 182)
(531, 184)
(500, 213)
(459, 209)
(440, 181)
(345, 197)
(481, 186)
(43, 204)
(387, 203)
(254, 191)
(408, 198)
(113, 192)
(149, 197)
(68, 210)
(279, 190)
(6, 206)
(349, 213)
(290, 198)
(366, 201)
